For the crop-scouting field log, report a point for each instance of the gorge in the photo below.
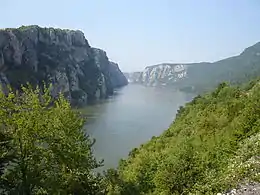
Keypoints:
(156, 137)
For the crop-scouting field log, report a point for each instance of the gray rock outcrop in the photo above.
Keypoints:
(163, 74)
(61, 57)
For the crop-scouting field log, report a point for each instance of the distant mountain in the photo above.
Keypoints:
(236, 70)
(133, 77)
(203, 76)
(61, 57)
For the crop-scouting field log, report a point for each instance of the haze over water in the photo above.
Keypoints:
(131, 118)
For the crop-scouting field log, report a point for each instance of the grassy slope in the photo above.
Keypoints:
(212, 146)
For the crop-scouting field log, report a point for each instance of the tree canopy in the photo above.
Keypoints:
(43, 147)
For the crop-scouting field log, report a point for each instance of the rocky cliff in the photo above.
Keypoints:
(63, 58)
(133, 77)
(205, 76)
(163, 74)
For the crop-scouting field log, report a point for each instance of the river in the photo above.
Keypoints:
(130, 118)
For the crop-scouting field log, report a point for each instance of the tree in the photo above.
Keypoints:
(52, 154)
(6, 154)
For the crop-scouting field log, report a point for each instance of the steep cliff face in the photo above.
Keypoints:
(113, 76)
(61, 57)
(118, 79)
(163, 74)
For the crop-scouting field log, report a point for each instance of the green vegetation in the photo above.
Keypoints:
(235, 70)
(22, 28)
(43, 149)
(205, 76)
(213, 145)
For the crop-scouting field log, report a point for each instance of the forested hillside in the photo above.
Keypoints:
(235, 70)
(212, 146)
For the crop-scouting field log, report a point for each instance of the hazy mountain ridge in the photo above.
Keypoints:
(205, 75)
(61, 57)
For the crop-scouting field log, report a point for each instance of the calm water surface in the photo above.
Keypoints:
(131, 118)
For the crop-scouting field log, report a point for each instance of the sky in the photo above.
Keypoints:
(139, 33)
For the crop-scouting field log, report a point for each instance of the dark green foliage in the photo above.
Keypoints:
(43, 148)
(6, 150)
(22, 28)
(121, 187)
(202, 150)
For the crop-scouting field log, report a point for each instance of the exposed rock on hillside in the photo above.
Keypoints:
(205, 76)
(248, 189)
(61, 57)
(163, 74)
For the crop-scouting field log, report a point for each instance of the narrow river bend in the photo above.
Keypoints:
(130, 118)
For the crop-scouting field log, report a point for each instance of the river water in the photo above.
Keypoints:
(130, 118)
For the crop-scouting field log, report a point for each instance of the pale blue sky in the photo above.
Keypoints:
(138, 33)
